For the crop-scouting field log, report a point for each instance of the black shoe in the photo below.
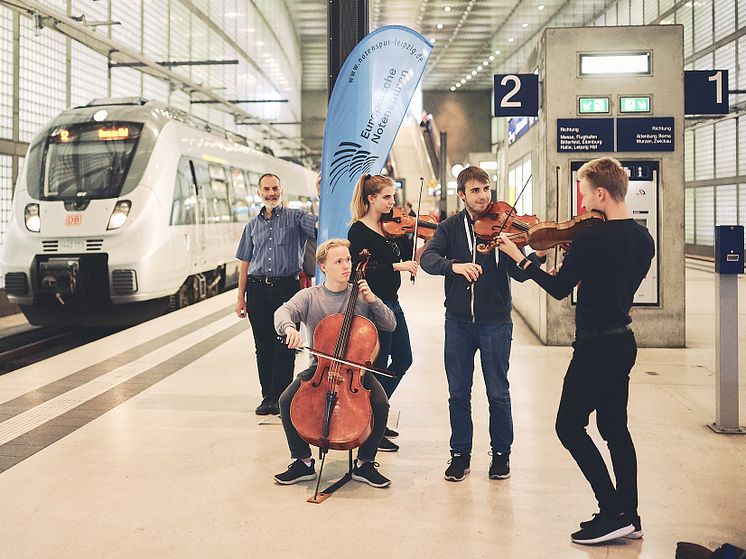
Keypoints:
(459, 467)
(367, 473)
(390, 433)
(265, 408)
(297, 471)
(274, 407)
(387, 446)
(638, 533)
(603, 528)
(500, 466)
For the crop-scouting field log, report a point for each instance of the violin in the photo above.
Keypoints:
(500, 217)
(548, 234)
(396, 223)
(332, 410)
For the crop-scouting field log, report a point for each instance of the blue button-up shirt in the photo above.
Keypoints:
(274, 246)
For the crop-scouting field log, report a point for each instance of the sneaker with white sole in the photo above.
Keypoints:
(603, 528)
(458, 467)
(367, 473)
(638, 533)
(297, 471)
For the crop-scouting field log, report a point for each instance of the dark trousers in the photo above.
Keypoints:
(378, 401)
(274, 360)
(598, 379)
(396, 350)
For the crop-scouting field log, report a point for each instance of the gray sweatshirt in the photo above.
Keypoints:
(312, 304)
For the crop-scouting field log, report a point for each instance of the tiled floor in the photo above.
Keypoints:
(184, 468)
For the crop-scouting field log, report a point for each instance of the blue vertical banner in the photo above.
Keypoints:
(366, 109)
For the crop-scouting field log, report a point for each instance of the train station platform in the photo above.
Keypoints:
(145, 444)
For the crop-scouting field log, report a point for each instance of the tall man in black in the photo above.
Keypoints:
(608, 261)
(271, 255)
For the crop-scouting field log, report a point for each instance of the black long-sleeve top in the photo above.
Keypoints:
(383, 280)
(608, 262)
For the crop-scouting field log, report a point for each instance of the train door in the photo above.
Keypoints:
(201, 181)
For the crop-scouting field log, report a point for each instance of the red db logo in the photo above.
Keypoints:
(73, 219)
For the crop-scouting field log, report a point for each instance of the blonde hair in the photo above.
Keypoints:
(368, 185)
(323, 249)
(608, 173)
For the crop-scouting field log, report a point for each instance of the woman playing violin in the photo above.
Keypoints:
(310, 306)
(374, 197)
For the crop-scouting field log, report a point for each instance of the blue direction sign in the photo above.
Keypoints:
(516, 95)
(706, 92)
(645, 134)
(585, 134)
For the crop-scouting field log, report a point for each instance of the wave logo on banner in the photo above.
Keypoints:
(367, 106)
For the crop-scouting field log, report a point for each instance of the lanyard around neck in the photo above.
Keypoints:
(471, 239)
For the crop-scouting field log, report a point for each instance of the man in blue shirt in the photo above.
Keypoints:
(271, 255)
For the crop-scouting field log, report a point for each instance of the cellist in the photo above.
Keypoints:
(310, 306)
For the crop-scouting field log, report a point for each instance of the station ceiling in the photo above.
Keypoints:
(496, 35)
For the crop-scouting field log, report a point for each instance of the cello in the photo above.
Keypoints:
(332, 409)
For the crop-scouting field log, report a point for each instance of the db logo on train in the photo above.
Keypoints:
(73, 219)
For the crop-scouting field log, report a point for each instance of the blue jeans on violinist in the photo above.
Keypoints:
(299, 449)
(396, 350)
(462, 340)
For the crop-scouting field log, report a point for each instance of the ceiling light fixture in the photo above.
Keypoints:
(524, 25)
(492, 57)
(453, 88)
(447, 9)
(497, 51)
(511, 39)
(439, 26)
(540, 7)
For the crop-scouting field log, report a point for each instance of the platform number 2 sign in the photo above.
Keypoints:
(516, 95)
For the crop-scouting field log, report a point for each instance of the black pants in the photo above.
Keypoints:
(378, 401)
(274, 360)
(598, 379)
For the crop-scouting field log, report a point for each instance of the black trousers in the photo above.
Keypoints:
(274, 360)
(598, 379)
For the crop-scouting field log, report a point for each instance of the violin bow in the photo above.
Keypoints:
(556, 217)
(416, 227)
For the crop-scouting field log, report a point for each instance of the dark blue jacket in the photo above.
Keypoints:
(491, 297)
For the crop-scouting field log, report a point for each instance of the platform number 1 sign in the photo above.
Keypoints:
(516, 94)
(706, 92)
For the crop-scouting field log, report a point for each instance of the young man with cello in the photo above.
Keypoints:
(608, 262)
(372, 199)
(310, 306)
(478, 305)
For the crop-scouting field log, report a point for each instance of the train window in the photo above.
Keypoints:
(218, 204)
(240, 196)
(85, 161)
(184, 205)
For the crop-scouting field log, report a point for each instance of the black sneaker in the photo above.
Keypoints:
(367, 473)
(265, 408)
(500, 466)
(387, 446)
(638, 533)
(390, 433)
(274, 407)
(458, 467)
(603, 528)
(297, 471)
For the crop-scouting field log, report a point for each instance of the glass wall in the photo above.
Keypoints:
(54, 72)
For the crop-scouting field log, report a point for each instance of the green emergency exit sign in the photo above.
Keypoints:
(634, 104)
(593, 105)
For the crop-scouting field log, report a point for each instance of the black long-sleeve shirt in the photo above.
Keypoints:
(383, 280)
(608, 262)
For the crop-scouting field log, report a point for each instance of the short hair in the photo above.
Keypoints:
(265, 175)
(608, 173)
(469, 174)
(368, 185)
(323, 249)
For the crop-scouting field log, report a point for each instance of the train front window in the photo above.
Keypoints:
(88, 161)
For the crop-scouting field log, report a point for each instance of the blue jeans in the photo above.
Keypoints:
(462, 340)
(396, 351)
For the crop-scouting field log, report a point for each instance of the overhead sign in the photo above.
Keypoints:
(645, 134)
(518, 126)
(516, 94)
(630, 104)
(585, 134)
(706, 92)
(587, 105)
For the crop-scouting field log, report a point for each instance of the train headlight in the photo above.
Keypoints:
(119, 215)
(32, 218)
